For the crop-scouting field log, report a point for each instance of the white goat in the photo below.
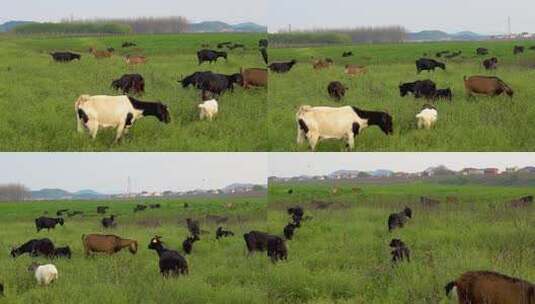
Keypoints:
(208, 109)
(315, 123)
(44, 274)
(427, 118)
(118, 112)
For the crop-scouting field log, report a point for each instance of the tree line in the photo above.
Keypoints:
(14, 192)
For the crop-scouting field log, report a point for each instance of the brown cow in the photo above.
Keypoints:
(135, 59)
(108, 243)
(486, 85)
(100, 54)
(355, 70)
(256, 77)
(486, 287)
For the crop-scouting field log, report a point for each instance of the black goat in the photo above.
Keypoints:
(187, 245)
(48, 223)
(220, 233)
(35, 247)
(396, 220)
(64, 252)
(282, 67)
(399, 251)
(171, 262)
(109, 222)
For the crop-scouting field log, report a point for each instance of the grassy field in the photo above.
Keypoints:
(342, 254)
(481, 124)
(37, 95)
(220, 271)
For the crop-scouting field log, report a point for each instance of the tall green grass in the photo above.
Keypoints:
(480, 124)
(342, 254)
(37, 95)
(220, 271)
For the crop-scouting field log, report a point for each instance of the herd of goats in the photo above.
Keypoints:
(473, 287)
(120, 112)
(346, 122)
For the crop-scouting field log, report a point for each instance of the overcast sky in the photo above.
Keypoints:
(294, 164)
(232, 11)
(108, 172)
(482, 16)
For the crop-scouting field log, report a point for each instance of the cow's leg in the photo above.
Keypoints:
(92, 125)
(300, 135)
(313, 139)
(80, 125)
(351, 141)
(120, 132)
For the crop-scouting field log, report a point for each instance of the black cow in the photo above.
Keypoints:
(426, 64)
(491, 63)
(282, 67)
(336, 90)
(518, 49)
(219, 233)
(48, 223)
(65, 56)
(263, 52)
(263, 43)
(420, 88)
(130, 83)
(109, 222)
(443, 94)
(347, 54)
(210, 55)
(482, 51)
(397, 220)
(34, 248)
(102, 209)
(289, 230)
(399, 251)
(64, 252)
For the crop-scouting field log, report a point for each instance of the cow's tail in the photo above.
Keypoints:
(449, 287)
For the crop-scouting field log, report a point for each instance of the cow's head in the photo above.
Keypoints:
(162, 113)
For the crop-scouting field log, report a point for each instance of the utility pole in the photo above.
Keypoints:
(509, 26)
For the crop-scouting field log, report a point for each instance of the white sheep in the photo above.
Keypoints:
(44, 274)
(427, 117)
(208, 109)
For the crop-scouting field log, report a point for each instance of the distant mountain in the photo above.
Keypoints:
(443, 36)
(219, 26)
(58, 194)
(8, 26)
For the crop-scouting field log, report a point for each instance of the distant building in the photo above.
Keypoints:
(527, 170)
(511, 169)
(491, 171)
(472, 171)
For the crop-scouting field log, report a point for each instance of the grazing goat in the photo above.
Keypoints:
(196, 79)
(491, 63)
(64, 252)
(193, 227)
(100, 54)
(220, 233)
(120, 112)
(128, 44)
(208, 109)
(316, 123)
(347, 54)
(130, 83)
(399, 251)
(210, 55)
(135, 59)
(65, 56)
(218, 84)
(445, 94)
(35, 247)
(482, 51)
(427, 117)
(522, 202)
(102, 209)
(261, 241)
(420, 88)
(397, 220)
(61, 212)
(336, 90)
(154, 206)
(289, 230)
(1, 290)
(108, 243)
(74, 213)
(321, 64)
(254, 77)
(487, 287)
(48, 223)
(276, 249)
(428, 202)
(171, 262)
(187, 245)
(44, 274)
(486, 85)
(426, 64)
(355, 70)
(282, 67)
(518, 50)
(109, 222)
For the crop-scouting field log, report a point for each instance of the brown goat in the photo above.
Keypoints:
(254, 77)
(108, 243)
(486, 85)
(100, 54)
(321, 64)
(355, 70)
(135, 59)
(486, 287)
